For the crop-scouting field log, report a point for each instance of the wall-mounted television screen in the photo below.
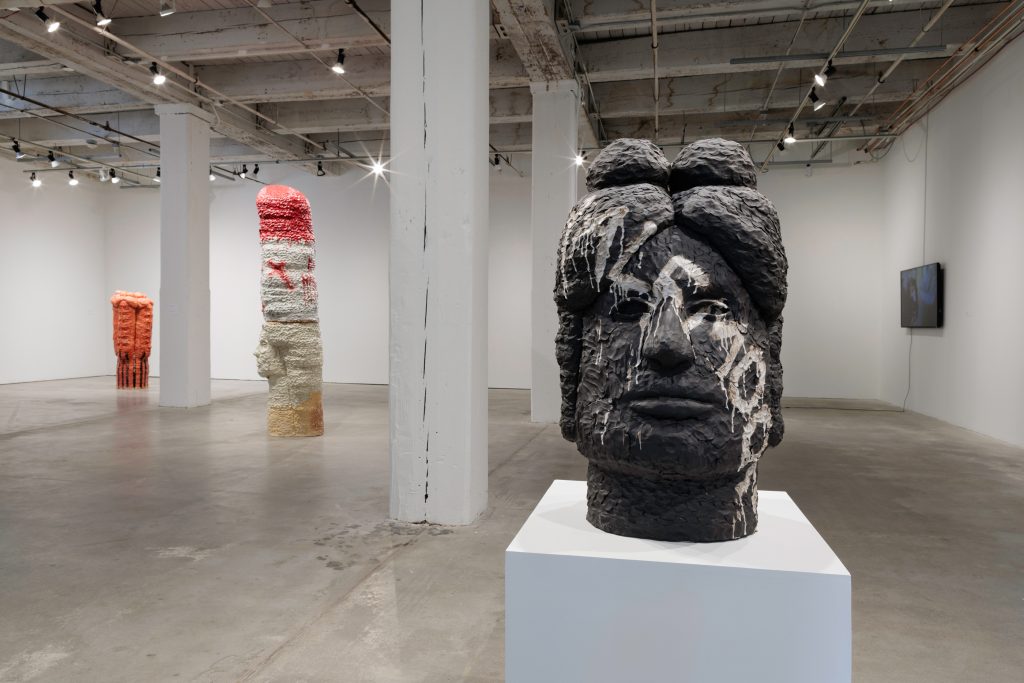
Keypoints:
(921, 296)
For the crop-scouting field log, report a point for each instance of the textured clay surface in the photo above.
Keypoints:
(289, 354)
(668, 345)
(627, 161)
(133, 335)
(712, 162)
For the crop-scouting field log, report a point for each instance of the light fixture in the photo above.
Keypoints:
(320, 172)
(255, 170)
(377, 168)
(339, 66)
(113, 177)
(72, 180)
(102, 20)
(212, 177)
(580, 158)
(156, 178)
(245, 171)
(51, 24)
(816, 101)
(782, 147)
(166, 8)
(36, 182)
(158, 78)
(822, 77)
(16, 146)
(53, 160)
(790, 136)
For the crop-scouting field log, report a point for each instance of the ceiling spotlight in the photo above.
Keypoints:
(212, 177)
(320, 172)
(782, 147)
(72, 180)
(377, 168)
(245, 171)
(790, 136)
(36, 182)
(819, 79)
(113, 177)
(339, 66)
(16, 146)
(255, 170)
(829, 70)
(51, 24)
(816, 101)
(53, 160)
(102, 20)
(166, 8)
(156, 178)
(579, 158)
(158, 78)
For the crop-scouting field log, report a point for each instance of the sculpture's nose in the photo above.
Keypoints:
(667, 348)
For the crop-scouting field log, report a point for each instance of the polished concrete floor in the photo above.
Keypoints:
(148, 544)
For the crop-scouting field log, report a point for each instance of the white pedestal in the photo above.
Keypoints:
(585, 605)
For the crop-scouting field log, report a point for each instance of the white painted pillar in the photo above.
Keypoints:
(554, 174)
(438, 261)
(184, 304)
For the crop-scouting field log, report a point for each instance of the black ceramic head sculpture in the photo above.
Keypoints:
(670, 327)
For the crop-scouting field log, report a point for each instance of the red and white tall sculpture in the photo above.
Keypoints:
(289, 354)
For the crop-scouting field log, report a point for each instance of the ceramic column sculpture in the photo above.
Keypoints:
(670, 288)
(289, 354)
(133, 336)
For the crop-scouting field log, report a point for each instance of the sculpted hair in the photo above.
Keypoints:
(714, 200)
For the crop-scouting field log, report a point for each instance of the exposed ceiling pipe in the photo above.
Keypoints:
(803, 102)
(884, 76)
(366, 17)
(778, 73)
(315, 56)
(590, 25)
(183, 74)
(63, 112)
(654, 51)
(832, 127)
(936, 86)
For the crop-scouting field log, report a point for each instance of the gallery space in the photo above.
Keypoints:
(164, 533)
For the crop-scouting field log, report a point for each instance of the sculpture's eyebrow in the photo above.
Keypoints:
(696, 278)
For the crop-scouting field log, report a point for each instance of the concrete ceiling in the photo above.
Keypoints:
(733, 68)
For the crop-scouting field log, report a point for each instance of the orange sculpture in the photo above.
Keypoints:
(133, 334)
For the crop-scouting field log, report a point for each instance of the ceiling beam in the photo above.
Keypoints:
(530, 26)
(304, 80)
(93, 61)
(711, 51)
(324, 25)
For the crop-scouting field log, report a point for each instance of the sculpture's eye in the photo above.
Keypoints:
(713, 310)
(630, 308)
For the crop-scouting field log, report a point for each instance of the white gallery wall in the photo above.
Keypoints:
(832, 229)
(56, 319)
(955, 194)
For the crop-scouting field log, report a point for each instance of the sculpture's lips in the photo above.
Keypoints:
(671, 407)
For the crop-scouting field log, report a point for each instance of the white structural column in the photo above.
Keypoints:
(184, 305)
(438, 261)
(554, 174)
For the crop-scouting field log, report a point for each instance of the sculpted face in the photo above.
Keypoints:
(673, 367)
